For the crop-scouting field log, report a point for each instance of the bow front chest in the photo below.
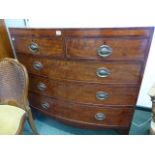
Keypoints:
(88, 78)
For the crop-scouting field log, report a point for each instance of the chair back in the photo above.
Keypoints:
(13, 83)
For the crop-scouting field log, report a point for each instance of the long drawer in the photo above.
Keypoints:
(99, 94)
(107, 48)
(82, 114)
(87, 71)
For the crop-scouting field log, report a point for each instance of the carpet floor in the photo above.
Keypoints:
(48, 126)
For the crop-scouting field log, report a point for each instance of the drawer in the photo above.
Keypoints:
(99, 94)
(107, 48)
(87, 71)
(39, 46)
(37, 42)
(82, 114)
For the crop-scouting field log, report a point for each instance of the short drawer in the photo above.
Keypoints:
(38, 42)
(107, 48)
(39, 46)
(82, 114)
(87, 71)
(91, 94)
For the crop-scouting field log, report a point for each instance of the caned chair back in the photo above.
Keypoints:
(13, 83)
(14, 87)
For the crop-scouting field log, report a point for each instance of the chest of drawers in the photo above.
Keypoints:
(85, 77)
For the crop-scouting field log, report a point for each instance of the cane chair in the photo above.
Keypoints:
(14, 97)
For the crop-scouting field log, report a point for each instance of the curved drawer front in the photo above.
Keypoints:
(85, 71)
(39, 46)
(85, 93)
(121, 48)
(82, 114)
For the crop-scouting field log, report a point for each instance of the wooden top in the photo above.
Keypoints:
(138, 31)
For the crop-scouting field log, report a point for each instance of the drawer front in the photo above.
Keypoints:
(82, 114)
(96, 72)
(106, 48)
(39, 46)
(85, 93)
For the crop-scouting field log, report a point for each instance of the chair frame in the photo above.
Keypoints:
(151, 93)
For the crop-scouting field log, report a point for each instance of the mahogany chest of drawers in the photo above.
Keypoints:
(85, 77)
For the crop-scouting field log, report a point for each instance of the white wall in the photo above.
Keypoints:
(86, 21)
(149, 78)
(15, 22)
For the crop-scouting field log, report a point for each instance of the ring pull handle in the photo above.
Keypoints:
(100, 116)
(102, 72)
(104, 51)
(41, 86)
(45, 105)
(100, 95)
(33, 47)
(37, 65)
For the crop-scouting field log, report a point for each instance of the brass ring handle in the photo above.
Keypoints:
(102, 72)
(45, 105)
(101, 95)
(100, 116)
(104, 51)
(37, 65)
(41, 86)
(33, 47)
